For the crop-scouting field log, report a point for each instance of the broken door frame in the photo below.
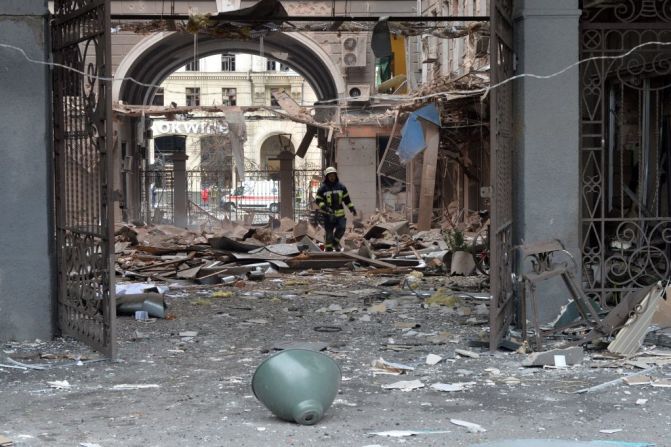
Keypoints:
(501, 310)
(82, 107)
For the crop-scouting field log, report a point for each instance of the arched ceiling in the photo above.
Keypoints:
(165, 53)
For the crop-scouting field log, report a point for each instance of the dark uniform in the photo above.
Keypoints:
(330, 198)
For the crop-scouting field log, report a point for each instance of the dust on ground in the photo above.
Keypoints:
(190, 375)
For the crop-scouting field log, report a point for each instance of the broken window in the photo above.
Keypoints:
(192, 96)
(273, 101)
(229, 96)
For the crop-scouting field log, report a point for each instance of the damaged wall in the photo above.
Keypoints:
(456, 56)
(27, 257)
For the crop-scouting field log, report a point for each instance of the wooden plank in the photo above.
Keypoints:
(432, 137)
(410, 188)
(324, 263)
(401, 262)
(189, 273)
(165, 264)
(212, 277)
(373, 262)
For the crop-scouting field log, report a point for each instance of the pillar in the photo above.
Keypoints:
(547, 145)
(27, 258)
(179, 193)
(286, 184)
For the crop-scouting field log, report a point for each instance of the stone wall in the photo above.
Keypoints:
(27, 286)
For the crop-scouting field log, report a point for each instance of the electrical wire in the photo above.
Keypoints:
(405, 99)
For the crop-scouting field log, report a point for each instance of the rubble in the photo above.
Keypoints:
(385, 243)
(571, 356)
(220, 342)
(470, 426)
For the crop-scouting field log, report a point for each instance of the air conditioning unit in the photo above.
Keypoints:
(358, 92)
(353, 50)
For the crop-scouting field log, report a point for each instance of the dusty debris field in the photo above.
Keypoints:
(185, 381)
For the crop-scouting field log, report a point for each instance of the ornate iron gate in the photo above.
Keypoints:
(625, 147)
(82, 106)
(501, 61)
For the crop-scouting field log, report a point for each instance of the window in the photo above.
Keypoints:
(192, 96)
(284, 67)
(229, 96)
(271, 65)
(273, 101)
(158, 98)
(193, 66)
(228, 62)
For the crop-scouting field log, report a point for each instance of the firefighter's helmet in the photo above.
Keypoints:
(330, 170)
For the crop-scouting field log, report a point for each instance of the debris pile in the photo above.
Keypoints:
(384, 243)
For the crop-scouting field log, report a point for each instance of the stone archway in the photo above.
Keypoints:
(271, 147)
(157, 56)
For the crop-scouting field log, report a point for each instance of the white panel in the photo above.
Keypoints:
(355, 158)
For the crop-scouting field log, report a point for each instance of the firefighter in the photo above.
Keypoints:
(330, 198)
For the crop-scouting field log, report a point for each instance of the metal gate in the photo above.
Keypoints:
(625, 149)
(82, 106)
(501, 310)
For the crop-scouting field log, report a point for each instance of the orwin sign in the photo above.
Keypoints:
(218, 127)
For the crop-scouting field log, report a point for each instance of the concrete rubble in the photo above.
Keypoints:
(199, 362)
(386, 308)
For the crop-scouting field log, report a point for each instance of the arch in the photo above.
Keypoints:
(262, 137)
(272, 144)
(157, 56)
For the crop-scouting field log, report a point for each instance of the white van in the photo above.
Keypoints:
(254, 194)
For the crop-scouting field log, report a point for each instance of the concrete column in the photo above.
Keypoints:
(355, 158)
(179, 191)
(546, 169)
(286, 184)
(27, 258)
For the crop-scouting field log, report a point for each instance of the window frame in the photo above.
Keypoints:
(229, 60)
(226, 96)
(160, 93)
(193, 65)
(192, 95)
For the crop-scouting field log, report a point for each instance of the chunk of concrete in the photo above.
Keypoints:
(573, 356)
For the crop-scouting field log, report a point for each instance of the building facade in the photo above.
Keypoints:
(241, 80)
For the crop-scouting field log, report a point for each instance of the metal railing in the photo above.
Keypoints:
(157, 197)
(211, 197)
